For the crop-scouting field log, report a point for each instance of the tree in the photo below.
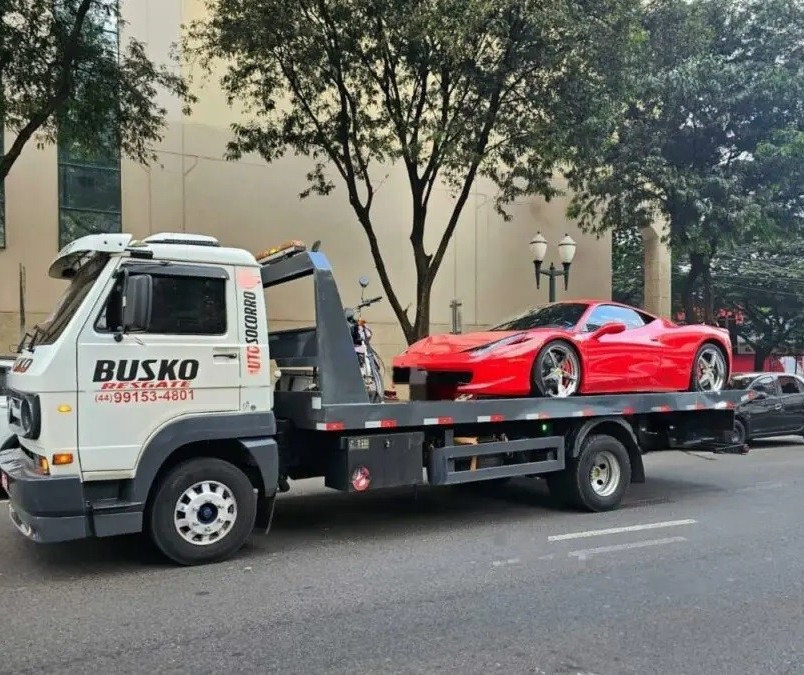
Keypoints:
(627, 266)
(710, 138)
(61, 71)
(449, 89)
(765, 285)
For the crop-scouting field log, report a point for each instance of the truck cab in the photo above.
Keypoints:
(156, 345)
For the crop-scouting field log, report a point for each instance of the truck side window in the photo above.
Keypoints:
(188, 306)
(181, 305)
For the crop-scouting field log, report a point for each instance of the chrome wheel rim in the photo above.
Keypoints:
(710, 369)
(205, 513)
(560, 371)
(604, 476)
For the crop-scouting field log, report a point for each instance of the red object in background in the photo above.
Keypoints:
(744, 363)
(651, 355)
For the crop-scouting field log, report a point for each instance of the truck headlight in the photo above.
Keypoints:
(24, 412)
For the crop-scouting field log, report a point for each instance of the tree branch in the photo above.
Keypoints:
(61, 93)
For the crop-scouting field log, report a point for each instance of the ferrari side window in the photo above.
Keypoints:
(603, 314)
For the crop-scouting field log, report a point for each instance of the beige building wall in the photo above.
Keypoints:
(254, 205)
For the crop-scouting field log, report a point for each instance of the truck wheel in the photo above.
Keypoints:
(597, 479)
(203, 510)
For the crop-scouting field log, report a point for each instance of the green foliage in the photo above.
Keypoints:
(61, 69)
(448, 89)
(764, 282)
(710, 137)
(627, 267)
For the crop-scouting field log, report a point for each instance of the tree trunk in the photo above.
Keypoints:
(688, 289)
(733, 333)
(421, 324)
(708, 303)
(760, 354)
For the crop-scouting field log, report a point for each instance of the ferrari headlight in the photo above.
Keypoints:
(504, 342)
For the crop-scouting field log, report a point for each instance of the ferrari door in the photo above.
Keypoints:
(620, 362)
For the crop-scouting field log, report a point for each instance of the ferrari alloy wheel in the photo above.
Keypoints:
(709, 370)
(557, 370)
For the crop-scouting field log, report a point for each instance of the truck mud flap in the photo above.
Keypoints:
(468, 463)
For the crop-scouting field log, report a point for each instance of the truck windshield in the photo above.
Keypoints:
(87, 273)
(561, 315)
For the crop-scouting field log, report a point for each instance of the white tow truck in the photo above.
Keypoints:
(146, 404)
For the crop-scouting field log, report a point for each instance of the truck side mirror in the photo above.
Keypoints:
(363, 281)
(137, 302)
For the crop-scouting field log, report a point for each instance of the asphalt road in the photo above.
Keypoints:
(708, 577)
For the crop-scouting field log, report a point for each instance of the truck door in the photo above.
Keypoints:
(187, 362)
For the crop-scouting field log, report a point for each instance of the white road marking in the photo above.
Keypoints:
(761, 486)
(618, 530)
(587, 552)
(3, 501)
(510, 561)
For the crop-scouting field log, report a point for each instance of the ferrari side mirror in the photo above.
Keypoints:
(612, 328)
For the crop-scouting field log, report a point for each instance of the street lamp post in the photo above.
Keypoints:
(566, 252)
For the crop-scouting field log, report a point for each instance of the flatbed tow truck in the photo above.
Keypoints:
(146, 404)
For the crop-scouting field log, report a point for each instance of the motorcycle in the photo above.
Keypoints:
(371, 366)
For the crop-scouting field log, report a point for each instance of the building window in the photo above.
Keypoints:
(89, 179)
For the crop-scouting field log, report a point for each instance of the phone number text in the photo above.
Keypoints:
(145, 396)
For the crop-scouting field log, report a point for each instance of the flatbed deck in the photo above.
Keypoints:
(308, 411)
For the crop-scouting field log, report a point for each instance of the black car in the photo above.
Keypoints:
(776, 410)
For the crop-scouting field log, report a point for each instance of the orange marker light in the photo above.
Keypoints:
(62, 458)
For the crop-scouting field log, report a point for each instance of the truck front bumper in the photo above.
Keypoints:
(46, 509)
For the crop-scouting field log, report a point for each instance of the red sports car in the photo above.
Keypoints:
(567, 348)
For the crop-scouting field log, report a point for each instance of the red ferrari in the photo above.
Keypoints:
(567, 348)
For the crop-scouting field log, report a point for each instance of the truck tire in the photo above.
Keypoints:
(597, 478)
(203, 510)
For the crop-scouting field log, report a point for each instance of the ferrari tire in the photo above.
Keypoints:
(595, 480)
(710, 370)
(556, 371)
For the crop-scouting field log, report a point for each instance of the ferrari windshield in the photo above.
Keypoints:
(557, 315)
